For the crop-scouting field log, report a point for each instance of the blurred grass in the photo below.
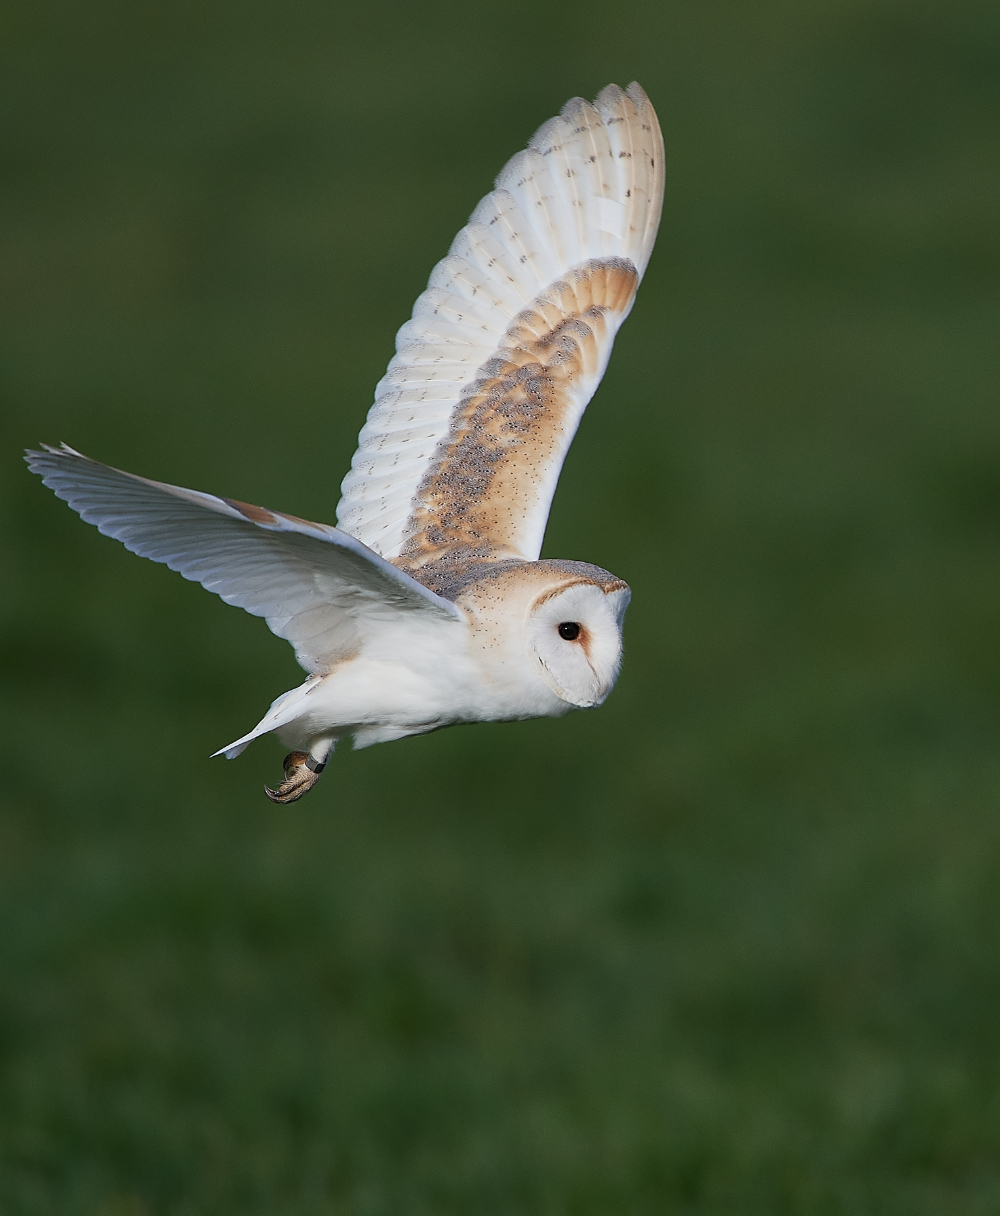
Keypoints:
(729, 945)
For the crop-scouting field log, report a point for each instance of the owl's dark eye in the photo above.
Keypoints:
(569, 631)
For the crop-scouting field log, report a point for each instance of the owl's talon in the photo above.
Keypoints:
(302, 772)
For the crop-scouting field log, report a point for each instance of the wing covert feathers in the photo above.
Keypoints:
(471, 423)
(320, 589)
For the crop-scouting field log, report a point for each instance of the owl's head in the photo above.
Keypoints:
(575, 637)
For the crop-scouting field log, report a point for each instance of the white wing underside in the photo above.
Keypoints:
(318, 588)
(585, 194)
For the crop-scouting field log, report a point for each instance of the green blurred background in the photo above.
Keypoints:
(730, 944)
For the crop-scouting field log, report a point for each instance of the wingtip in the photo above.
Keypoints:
(33, 456)
(62, 450)
(230, 752)
(610, 96)
(577, 108)
(607, 102)
(638, 94)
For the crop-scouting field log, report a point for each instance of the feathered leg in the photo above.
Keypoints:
(302, 771)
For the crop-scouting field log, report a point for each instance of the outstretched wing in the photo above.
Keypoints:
(471, 423)
(322, 590)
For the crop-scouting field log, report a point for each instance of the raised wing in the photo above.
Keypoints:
(320, 589)
(471, 423)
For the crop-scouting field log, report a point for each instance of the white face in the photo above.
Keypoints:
(575, 636)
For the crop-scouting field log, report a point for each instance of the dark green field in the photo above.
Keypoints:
(730, 944)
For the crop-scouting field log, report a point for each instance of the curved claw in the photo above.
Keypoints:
(301, 774)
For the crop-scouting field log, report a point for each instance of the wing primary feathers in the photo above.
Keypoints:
(269, 563)
(463, 446)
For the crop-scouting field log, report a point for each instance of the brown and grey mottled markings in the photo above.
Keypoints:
(257, 515)
(513, 425)
(261, 515)
(479, 579)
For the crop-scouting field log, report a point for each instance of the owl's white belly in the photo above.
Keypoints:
(424, 682)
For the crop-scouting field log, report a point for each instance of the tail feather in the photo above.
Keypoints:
(283, 710)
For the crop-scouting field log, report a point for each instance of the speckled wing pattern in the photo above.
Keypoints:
(463, 447)
(315, 586)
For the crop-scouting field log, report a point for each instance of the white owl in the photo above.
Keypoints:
(428, 606)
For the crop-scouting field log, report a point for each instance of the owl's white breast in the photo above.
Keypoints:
(417, 673)
(422, 676)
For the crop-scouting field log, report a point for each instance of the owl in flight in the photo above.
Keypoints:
(428, 605)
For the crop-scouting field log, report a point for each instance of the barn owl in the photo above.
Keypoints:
(428, 605)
